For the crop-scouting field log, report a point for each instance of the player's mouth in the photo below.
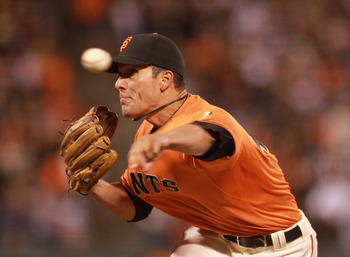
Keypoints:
(125, 99)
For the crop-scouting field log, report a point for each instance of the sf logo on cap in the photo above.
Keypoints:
(125, 43)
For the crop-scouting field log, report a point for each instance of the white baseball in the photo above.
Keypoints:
(96, 60)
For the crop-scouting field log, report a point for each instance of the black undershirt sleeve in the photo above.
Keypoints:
(224, 144)
(142, 208)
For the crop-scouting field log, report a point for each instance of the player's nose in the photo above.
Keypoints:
(120, 83)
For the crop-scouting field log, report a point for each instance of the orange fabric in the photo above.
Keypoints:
(243, 195)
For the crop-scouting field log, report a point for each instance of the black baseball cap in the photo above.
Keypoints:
(150, 49)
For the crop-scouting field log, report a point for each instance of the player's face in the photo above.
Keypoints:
(138, 90)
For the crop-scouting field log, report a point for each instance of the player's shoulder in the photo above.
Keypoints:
(204, 110)
(197, 107)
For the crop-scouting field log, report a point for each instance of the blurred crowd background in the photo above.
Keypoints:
(282, 68)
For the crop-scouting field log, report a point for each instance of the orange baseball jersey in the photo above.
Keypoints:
(243, 195)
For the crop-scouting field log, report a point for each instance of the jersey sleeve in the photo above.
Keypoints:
(142, 208)
(224, 144)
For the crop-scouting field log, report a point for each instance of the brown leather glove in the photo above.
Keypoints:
(86, 148)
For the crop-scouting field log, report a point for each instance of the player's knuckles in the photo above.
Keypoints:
(147, 166)
(134, 158)
(150, 154)
(139, 150)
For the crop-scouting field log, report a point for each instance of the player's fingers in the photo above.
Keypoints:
(153, 152)
(146, 166)
(140, 161)
(145, 150)
(136, 159)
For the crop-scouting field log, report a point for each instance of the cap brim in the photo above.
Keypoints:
(124, 60)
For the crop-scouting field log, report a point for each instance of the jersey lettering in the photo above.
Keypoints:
(139, 184)
(170, 185)
(152, 179)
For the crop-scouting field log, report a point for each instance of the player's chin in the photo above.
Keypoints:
(125, 111)
(128, 114)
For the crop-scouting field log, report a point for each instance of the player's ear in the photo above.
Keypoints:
(167, 80)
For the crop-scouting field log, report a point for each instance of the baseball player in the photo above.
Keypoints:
(194, 161)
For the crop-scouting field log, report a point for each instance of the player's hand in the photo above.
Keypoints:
(146, 150)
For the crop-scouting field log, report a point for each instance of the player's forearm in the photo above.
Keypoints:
(114, 198)
(189, 139)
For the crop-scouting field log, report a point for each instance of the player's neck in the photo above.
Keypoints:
(160, 117)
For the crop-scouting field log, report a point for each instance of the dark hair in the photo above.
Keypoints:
(179, 81)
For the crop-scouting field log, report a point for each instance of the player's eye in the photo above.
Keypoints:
(131, 72)
(127, 73)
